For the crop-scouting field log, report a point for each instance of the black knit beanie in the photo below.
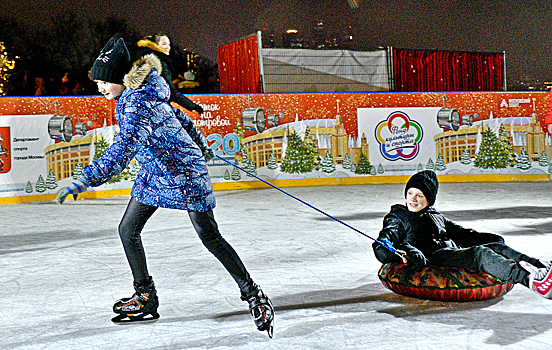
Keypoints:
(426, 181)
(113, 62)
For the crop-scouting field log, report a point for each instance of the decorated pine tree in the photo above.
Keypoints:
(77, 171)
(550, 168)
(495, 152)
(465, 157)
(420, 167)
(543, 161)
(523, 162)
(353, 167)
(101, 146)
(250, 167)
(310, 152)
(380, 169)
(236, 174)
(51, 181)
(430, 165)
(29, 187)
(487, 153)
(363, 166)
(373, 170)
(272, 161)
(40, 185)
(245, 156)
(238, 130)
(6, 64)
(226, 175)
(347, 162)
(328, 165)
(506, 146)
(440, 164)
(292, 162)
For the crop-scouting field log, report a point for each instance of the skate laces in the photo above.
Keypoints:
(259, 307)
(540, 274)
(144, 296)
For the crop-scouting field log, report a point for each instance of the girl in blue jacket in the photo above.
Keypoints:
(174, 175)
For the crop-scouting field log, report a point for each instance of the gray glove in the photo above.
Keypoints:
(207, 153)
(76, 187)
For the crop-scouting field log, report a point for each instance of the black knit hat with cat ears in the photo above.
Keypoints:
(113, 62)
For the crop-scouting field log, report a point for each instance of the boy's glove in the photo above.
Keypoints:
(76, 187)
(415, 255)
(207, 153)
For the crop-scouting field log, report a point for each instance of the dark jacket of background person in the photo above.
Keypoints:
(146, 47)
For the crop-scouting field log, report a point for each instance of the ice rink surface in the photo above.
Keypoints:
(63, 267)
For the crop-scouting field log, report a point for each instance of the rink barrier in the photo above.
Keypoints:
(341, 181)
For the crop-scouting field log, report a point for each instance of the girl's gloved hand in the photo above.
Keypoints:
(76, 187)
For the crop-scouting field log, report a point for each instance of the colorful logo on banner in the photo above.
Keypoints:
(5, 146)
(399, 137)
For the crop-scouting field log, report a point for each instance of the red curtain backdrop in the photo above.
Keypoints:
(239, 66)
(421, 70)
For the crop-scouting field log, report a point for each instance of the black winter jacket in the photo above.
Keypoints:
(427, 230)
(146, 47)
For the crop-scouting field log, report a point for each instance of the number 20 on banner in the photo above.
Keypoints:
(230, 144)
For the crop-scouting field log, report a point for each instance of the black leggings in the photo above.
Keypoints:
(136, 216)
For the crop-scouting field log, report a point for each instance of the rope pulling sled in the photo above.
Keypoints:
(383, 242)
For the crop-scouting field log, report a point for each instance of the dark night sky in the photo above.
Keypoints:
(520, 28)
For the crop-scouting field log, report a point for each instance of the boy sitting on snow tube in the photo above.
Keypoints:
(429, 238)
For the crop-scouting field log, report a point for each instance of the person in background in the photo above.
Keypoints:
(159, 44)
(65, 87)
(40, 87)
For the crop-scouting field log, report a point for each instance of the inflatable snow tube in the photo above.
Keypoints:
(441, 283)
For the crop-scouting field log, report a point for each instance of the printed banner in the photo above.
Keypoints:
(292, 137)
(399, 137)
(23, 168)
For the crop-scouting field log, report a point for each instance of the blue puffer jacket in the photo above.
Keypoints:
(163, 139)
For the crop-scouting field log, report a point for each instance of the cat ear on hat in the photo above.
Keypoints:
(112, 63)
(106, 49)
(121, 47)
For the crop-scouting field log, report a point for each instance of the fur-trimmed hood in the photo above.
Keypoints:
(163, 139)
(140, 70)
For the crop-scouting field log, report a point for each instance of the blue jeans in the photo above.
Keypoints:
(496, 259)
(134, 220)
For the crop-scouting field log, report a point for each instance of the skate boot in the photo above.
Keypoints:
(142, 306)
(540, 281)
(261, 309)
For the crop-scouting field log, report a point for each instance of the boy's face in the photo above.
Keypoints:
(109, 90)
(415, 200)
